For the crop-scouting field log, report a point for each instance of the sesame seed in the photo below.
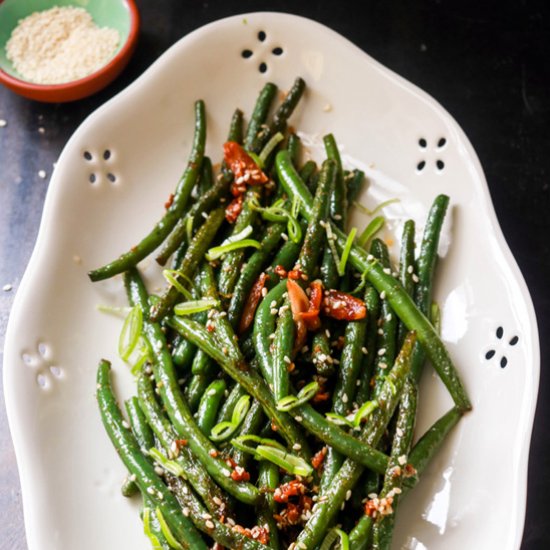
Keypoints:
(345, 398)
(159, 471)
(186, 512)
(133, 477)
(337, 217)
(358, 382)
(383, 365)
(296, 446)
(273, 304)
(274, 311)
(348, 494)
(365, 350)
(302, 546)
(286, 359)
(380, 331)
(217, 500)
(298, 418)
(383, 295)
(327, 332)
(226, 473)
(125, 424)
(402, 460)
(7, 287)
(370, 258)
(399, 432)
(272, 336)
(42, 174)
(204, 215)
(284, 236)
(389, 317)
(264, 291)
(387, 271)
(3, 123)
(41, 130)
(410, 269)
(206, 515)
(327, 108)
(381, 351)
(150, 490)
(209, 524)
(415, 278)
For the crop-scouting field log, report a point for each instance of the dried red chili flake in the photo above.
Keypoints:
(311, 316)
(252, 301)
(319, 458)
(244, 169)
(321, 397)
(230, 462)
(261, 534)
(169, 202)
(240, 474)
(181, 442)
(370, 508)
(233, 209)
(343, 306)
(280, 271)
(218, 546)
(289, 489)
(294, 513)
(295, 274)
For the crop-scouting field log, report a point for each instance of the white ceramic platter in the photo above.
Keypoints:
(473, 495)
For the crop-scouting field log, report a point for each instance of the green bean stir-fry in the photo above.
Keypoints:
(277, 373)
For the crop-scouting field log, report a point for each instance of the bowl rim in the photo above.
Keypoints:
(126, 49)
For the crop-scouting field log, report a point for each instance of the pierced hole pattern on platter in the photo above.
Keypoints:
(429, 147)
(504, 342)
(263, 53)
(100, 166)
(41, 360)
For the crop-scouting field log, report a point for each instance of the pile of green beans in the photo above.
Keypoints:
(251, 427)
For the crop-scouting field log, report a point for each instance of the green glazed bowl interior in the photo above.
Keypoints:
(105, 13)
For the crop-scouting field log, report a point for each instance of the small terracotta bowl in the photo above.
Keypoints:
(121, 15)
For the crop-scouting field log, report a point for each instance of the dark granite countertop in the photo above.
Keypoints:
(486, 62)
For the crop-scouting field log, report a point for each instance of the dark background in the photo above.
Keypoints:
(486, 62)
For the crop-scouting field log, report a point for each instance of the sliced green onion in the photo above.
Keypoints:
(224, 430)
(130, 333)
(377, 209)
(136, 367)
(365, 411)
(168, 465)
(435, 317)
(291, 463)
(238, 236)
(171, 276)
(332, 246)
(195, 306)
(256, 159)
(115, 310)
(332, 536)
(155, 542)
(269, 146)
(304, 395)
(340, 420)
(375, 225)
(240, 410)
(218, 251)
(295, 208)
(239, 443)
(345, 252)
(294, 230)
(170, 539)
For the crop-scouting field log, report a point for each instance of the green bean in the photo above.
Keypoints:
(285, 110)
(406, 266)
(174, 212)
(294, 145)
(146, 478)
(187, 224)
(129, 488)
(346, 444)
(286, 258)
(252, 424)
(350, 365)
(321, 353)
(387, 340)
(324, 512)
(195, 471)
(231, 265)
(283, 344)
(209, 405)
(226, 410)
(182, 352)
(372, 301)
(250, 273)
(354, 181)
(201, 363)
(268, 481)
(254, 135)
(195, 252)
(382, 532)
(236, 127)
(307, 170)
(195, 389)
(142, 431)
(338, 199)
(331, 465)
(328, 269)
(220, 532)
(176, 407)
(427, 446)
(264, 326)
(206, 178)
(249, 379)
(426, 262)
(400, 301)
